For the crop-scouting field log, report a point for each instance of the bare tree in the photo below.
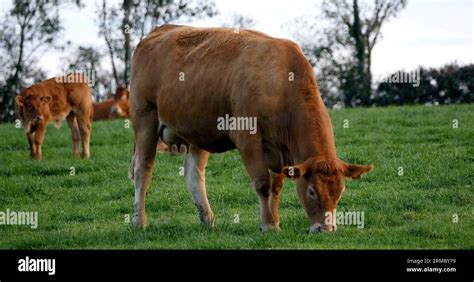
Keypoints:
(123, 26)
(89, 59)
(343, 44)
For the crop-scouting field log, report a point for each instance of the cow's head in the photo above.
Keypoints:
(320, 185)
(121, 104)
(31, 108)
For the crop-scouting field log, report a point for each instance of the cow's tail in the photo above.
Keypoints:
(131, 169)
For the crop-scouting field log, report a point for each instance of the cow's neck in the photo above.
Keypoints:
(312, 132)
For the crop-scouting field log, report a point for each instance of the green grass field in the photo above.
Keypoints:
(89, 210)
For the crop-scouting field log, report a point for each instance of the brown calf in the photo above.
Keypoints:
(56, 99)
(118, 106)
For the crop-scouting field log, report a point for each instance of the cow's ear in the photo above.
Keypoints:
(355, 171)
(46, 99)
(296, 171)
(19, 100)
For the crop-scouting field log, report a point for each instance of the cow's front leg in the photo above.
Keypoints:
(194, 172)
(250, 147)
(277, 185)
(39, 137)
(31, 141)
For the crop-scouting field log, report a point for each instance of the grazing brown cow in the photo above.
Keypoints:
(187, 81)
(118, 106)
(55, 99)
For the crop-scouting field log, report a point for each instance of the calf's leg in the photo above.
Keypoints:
(194, 172)
(31, 141)
(76, 138)
(39, 137)
(84, 124)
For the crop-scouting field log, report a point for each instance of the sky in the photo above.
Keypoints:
(428, 33)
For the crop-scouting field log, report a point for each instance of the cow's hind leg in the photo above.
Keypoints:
(194, 171)
(76, 138)
(145, 124)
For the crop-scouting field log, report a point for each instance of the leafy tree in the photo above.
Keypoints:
(446, 85)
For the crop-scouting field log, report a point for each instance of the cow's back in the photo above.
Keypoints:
(102, 109)
(195, 75)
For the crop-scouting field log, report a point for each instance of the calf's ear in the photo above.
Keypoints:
(46, 99)
(296, 171)
(19, 100)
(355, 171)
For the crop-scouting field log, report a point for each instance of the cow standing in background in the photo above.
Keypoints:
(185, 80)
(56, 99)
(118, 106)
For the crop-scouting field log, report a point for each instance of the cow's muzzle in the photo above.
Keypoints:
(318, 227)
(115, 112)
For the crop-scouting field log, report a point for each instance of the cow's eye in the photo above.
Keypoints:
(29, 106)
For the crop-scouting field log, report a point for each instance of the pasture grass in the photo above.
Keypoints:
(89, 210)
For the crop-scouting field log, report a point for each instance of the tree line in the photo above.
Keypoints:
(339, 44)
(340, 49)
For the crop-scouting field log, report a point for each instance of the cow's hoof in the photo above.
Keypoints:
(209, 220)
(37, 157)
(269, 228)
(139, 223)
(212, 221)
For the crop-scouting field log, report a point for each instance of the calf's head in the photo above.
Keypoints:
(121, 104)
(320, 185)
(32, 108)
